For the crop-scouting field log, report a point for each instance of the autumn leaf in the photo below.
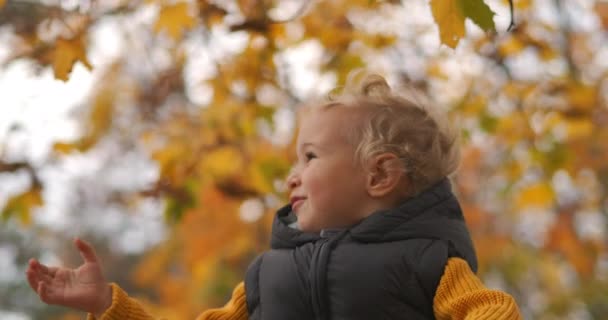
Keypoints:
(67, 53)
(222, 162)
(579, 128)
(63, 147)
(601, 7)
(479, 13)
(540, 194)
(2, 3)
(511, 46)
(450, 21)
(451, 14)
(174, 19)
(21, 205)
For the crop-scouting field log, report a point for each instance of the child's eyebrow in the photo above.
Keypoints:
(302, 146)
(312, 144)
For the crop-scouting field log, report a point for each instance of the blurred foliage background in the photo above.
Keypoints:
(161, 131)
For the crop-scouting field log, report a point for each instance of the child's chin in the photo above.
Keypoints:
(305, 226)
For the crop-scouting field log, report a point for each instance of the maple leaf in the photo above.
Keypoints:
(450, 20)
(174, 19)
(451, 14)
(479, 13)
(67, 53)
(21, 205)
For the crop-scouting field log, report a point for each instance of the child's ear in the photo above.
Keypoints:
(384, 174)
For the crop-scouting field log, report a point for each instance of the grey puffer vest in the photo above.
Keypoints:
(386, 267)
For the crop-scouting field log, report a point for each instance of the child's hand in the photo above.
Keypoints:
(83, 288)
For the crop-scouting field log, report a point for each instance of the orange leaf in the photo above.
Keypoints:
(579, 128)
(539, 194)
(562, 238)
(67, 53)
(601, 7)
(2, 3)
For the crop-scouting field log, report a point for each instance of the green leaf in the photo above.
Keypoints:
(479, 13)
(488, 123)
(177, 204)
(451, 14)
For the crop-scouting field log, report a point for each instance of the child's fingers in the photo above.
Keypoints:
(32, 279)
(45, 277)
(47, 293)
(86, 251)
(35, 277)
(43, 292)
(39, 267)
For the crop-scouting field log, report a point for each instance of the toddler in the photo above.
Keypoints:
(372, 230)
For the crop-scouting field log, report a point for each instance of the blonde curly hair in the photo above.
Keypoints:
(400, 123)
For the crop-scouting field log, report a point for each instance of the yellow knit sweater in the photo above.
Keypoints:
(460, 295)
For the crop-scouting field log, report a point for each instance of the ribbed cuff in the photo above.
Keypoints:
(462, 295)
(235, 309)
(119, 308)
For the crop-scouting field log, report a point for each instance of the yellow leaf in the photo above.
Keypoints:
(546, 52)
(579, 128)
(63, 148)
(582, 97)
(536, 195)
(203, 269)
(520, 4)
(222, 162)
(257, 179)
(511, 123)
(168, 159)
(511, 46)
(99, 120)
(174, 19)
(475, 106)
(2, 2)
(450, 20)
(67, 53)
(22, 204)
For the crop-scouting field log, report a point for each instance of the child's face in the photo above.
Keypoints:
(326, 186)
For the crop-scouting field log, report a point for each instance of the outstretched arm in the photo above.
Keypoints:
(461, 296)
(83, 288)
(125, 308)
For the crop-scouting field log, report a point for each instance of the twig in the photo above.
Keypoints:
(512, 23)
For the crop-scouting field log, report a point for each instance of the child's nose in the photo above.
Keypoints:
(293, 181)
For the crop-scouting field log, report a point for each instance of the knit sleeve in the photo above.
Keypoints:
(235, 309)
(461, 296)
(125, 308)
(122, 308)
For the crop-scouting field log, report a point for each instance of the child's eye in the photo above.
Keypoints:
(309, 156)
